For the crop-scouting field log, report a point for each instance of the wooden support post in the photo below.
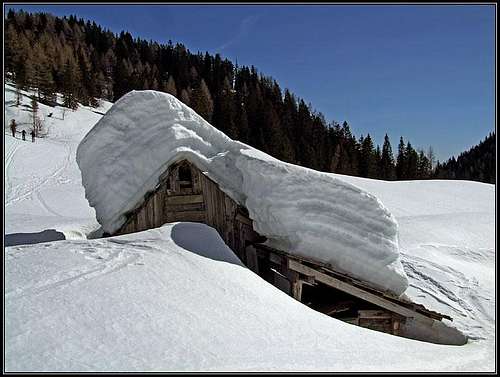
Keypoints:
(395, 326)
(297, 290)
(295, 284)
(251, 256)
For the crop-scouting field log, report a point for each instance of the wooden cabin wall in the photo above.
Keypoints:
(200, 200)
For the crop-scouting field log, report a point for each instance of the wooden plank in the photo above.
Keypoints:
(281, 282)
(184, 199)
(185, 207)
(351, 320)
(150, 213)
(195, 216)
(355, 291)
(297, 290)
(157, 208)
(336, 307)
(375, 314)
(243, 219)
(275, 258)
(251, 257)
(395, 326)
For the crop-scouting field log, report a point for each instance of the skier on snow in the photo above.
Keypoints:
(13, 126)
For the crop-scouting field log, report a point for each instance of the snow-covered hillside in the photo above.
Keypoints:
(176, 298)
(43, 189)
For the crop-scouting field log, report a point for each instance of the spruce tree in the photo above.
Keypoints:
(170, 86)
(423, 166)
(241, 121)
(387, 166)
(367, 163)
(431, 157)
(70, 90)
(401, 162)
(412, 162)
(34, 115)
(185, 97)
(201, 101)
(46, 86)
(378, 167)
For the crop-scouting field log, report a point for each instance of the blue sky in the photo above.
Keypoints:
(426, 73)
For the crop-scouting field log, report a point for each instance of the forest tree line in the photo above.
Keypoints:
(476, 164)
(85, 62)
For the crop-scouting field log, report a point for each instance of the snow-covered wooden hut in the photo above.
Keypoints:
(327, 243)
(185, 193)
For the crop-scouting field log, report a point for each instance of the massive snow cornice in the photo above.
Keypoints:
(299, 210)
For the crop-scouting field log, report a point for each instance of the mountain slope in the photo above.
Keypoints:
(43, 187)
(175, 298)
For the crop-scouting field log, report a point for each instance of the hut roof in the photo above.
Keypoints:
(300, 210)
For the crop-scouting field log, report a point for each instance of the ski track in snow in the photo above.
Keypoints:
(108, 259)
(8, 161)
(27, 190)
(463, 302)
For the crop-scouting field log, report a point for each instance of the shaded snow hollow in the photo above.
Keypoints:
(300, 210)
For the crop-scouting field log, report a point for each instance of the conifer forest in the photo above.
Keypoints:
(84, 62)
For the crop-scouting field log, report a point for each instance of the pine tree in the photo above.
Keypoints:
(10, 50)
(431, 157)
(70, 90)
(36, 124)
(185, 96)
(378, 165)
(18, 94)
(46, 86)
(387, 166)
(412, 162)
(423, 166)
(241, 121)
(367, 167)
(170, 86)
(401, 162)
(201, 101)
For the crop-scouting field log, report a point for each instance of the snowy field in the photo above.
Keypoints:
(176, 298)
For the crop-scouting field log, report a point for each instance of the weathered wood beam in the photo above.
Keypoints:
(357, 292)
(374, 314)
(243, 219)
(184, 199)
(195, 216)
(252, 261)
(336, 307)
(297, 290)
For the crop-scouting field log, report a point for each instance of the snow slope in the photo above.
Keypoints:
(44, 197)
(164, 300)
(85, 306)
(298, 209)
(447, 239)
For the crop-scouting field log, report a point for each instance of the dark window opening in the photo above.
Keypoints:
(185, 177)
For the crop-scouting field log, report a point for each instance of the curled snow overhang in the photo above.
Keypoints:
(298, 209)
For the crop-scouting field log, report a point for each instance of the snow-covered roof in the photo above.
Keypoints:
(300, 210)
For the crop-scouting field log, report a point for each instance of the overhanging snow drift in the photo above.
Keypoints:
(301, 210)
